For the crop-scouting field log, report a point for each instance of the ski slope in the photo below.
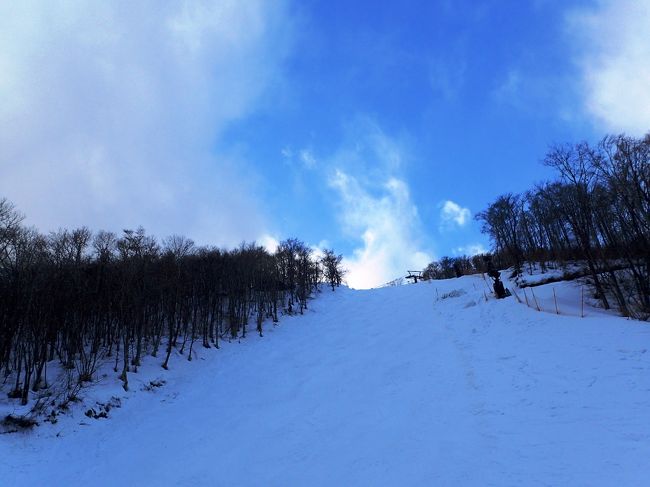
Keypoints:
(394, 386)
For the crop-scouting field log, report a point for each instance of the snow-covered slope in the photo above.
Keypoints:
(425, 384)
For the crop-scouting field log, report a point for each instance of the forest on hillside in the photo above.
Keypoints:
(79, 298)
(596, 211)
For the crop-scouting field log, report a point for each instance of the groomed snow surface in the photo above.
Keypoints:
(426, 384)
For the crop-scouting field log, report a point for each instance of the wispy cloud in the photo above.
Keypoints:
(307, 158)
(269, 242)
(375, 208)
(470, 249)
(388, 227)
(613, 43)
(300, 158)
(453, 215)
(110, 111)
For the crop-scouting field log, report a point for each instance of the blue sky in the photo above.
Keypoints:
(376, 128)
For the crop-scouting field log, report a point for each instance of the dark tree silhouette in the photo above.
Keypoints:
(78, 298)
(596, 212)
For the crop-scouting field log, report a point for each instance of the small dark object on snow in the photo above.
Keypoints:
(103, 408)
(19, 421)
(91, 413)
(154, 384)
(499, 290)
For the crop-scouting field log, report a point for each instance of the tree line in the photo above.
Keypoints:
(78, 298)
(449, 267)
(597, 210)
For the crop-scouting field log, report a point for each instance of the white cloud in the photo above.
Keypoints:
(307, 158)
(298, 159)
(452, 214)
(471, 249)
(111, 110)
(388, 225)
(318, 249)
(269, 242)
(375, 206)
(369, 152)
(613, 41)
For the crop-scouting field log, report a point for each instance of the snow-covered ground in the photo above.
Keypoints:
(569, 298)
(426, 384)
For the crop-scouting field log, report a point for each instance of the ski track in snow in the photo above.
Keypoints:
(382, 387)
